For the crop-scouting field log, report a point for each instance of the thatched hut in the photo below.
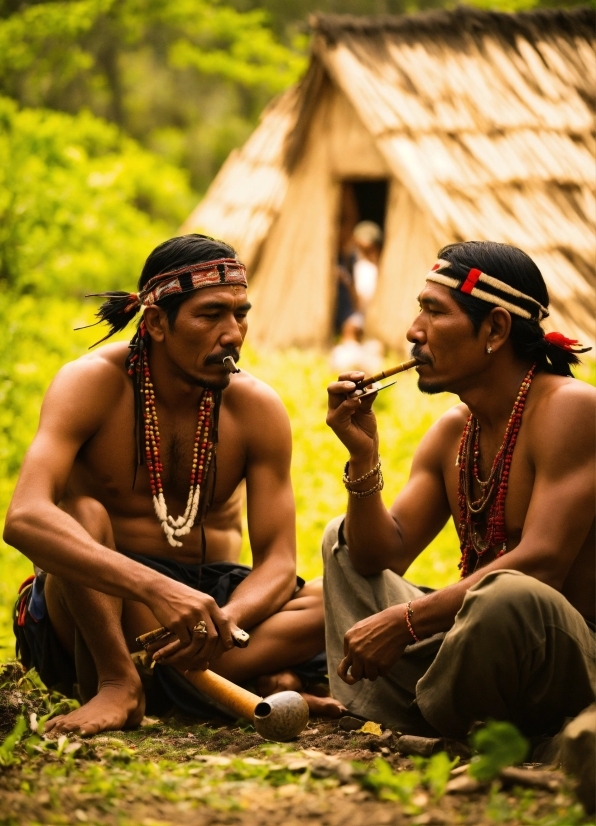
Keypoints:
(447, 126)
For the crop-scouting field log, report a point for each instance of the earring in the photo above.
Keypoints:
(489, 349)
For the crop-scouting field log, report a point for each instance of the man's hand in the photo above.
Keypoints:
(374, 645)
(180, 608)
(352, 420)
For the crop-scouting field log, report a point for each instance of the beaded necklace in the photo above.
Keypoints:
(203, 455)
(492, 491)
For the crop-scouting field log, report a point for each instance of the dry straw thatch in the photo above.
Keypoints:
(483, 124)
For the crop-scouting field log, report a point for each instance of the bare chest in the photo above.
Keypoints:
(517, 481)
(106, 469)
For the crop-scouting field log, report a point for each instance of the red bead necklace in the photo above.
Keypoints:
(202, 456)
(492, 491)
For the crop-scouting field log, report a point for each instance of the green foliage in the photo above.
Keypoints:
(186, 79)
(80, 205)
(7, 747)
(389, 784)
(499, 745)
(436, 773)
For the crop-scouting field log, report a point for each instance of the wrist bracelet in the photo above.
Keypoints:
(409, 615)
(361, 494)
(347, 481)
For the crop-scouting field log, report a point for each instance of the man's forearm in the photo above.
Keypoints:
(59, 545)
(370, 531)
(436, 612)
(264, 591)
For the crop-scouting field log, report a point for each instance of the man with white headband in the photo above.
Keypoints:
(513, 466)
(126, 543)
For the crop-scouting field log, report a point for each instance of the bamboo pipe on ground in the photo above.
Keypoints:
(279, 717)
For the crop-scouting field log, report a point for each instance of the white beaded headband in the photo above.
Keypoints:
(480, 285)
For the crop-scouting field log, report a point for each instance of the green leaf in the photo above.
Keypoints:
(436, 773)
(7, 757)
(499, 745)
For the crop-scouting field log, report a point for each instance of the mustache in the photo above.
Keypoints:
(217, 358)
(417, 353)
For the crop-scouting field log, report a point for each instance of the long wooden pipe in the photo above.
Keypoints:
(385, 374)
(281, 716)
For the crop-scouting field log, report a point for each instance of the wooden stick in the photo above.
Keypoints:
(240, 637)
(230, 695)
(384, 374)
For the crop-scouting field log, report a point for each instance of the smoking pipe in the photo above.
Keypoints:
(279, 717)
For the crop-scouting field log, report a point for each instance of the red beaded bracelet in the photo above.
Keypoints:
(409, 615)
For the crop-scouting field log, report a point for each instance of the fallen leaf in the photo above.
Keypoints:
(371, 728)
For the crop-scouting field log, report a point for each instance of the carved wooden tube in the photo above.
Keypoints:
(385, 374)
(280, 716)
(238, 700)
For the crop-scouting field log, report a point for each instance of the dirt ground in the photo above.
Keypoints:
(183, 771)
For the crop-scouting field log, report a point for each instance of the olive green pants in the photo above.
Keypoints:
(517, 651)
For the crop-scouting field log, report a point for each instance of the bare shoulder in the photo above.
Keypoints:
(257, 408)
(561, 411)
(89, 385)
(441, 441)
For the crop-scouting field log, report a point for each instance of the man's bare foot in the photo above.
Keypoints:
(282, 681)
(324, 706)
(288, 681)
(116, 705)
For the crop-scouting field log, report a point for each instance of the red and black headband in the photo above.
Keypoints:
(120, 307)
(224, 271)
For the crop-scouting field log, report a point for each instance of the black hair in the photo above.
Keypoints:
(121, 307)
(515, 268)
(175, 253)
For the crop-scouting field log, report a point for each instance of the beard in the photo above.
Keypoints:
(427, 386)
(214, 384)
(430, 387)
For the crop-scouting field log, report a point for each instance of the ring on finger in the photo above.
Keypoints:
(200, 629)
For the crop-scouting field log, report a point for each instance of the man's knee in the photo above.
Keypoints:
(91, 515)
(508, 595)
(330, 539)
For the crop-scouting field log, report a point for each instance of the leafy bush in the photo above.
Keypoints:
(80, 205)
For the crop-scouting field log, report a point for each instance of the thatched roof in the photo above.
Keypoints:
(486, 118)
(246, 196)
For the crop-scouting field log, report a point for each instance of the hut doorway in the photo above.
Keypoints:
(371, 200)
(363, 206)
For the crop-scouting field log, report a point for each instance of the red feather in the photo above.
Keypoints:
(559, 340)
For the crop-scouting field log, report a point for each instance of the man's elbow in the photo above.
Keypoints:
(16, 527)
(366, 567)
(548, 569)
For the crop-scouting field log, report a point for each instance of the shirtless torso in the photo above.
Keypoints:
(549, 507)
(104, 466)
(75, 508)
(550, 396)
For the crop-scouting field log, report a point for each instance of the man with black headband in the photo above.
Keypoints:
(513, 465)
(129, 505)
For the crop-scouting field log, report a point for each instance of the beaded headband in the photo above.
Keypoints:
(480, 285)
(120, 307)
(188, 278)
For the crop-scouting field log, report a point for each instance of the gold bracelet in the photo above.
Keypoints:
(347, 481)
(361, 494)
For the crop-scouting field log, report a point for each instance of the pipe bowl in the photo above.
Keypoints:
(281, 716)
